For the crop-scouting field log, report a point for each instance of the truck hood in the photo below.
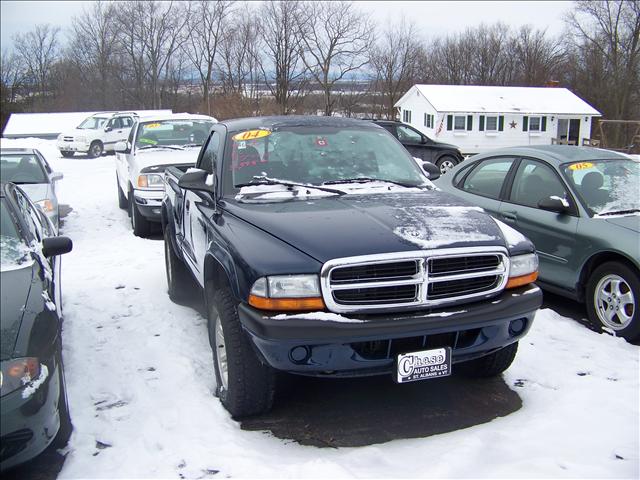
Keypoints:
(163, 157)
(350, 225)
(14, 292)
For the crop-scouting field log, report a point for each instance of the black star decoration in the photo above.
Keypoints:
(513, 124)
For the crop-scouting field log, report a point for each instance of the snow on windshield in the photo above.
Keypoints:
(13, 253)
(607, 186)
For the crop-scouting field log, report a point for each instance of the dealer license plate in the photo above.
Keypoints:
(423, 365)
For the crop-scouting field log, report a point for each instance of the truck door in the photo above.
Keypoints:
(414, 142)
(198, 210)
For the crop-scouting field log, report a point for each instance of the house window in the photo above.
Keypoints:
(534, 124)
(459, 122)
(428, 120)
(406, 116)
(492, 124)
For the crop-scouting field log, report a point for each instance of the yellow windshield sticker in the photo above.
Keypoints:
(251, 135)
(152, 125)
(581, 166)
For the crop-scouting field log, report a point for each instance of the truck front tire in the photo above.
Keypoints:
(141, 226)
(245, 385)
(123, 203)
(490, 365)
(96, 149)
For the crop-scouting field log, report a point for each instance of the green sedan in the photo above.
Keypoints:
(581, 208)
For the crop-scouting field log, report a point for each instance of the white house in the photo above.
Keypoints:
(477, 118)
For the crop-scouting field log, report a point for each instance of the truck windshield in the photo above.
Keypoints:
(317, 155)
(173, 132)
(13, 251)
(93, 123)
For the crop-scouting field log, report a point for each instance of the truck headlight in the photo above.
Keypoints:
(523, 270)
(46, 206)
(151, 180)
(287, 292)
(16, 373)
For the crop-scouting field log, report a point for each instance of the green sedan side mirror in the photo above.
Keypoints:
(555, 204)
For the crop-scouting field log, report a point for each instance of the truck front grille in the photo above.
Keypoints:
(67, 139)
(413, 279)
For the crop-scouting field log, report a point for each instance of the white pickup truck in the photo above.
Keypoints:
(154, 143)
(97, 134)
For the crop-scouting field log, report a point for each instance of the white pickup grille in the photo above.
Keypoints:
(413, 279)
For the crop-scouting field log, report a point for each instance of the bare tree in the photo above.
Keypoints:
(39, 49)
(336, 40)
(205, 23)
(92, 49)
(608, 34)
(394, 61)
(279, 22)
(12, 72)
(537, 57)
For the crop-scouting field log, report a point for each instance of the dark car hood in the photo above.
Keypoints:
(350, 225)
(444, 145)
(632, 222)
(14, 291)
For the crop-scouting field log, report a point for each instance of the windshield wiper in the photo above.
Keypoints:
(368, 180)
(171, 147)
(620, 212)
(187, 145)
(264, 180)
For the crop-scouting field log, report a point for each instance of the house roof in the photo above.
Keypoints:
(525, 100)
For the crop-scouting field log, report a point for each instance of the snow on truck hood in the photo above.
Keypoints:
(350, 225)
(166, 156)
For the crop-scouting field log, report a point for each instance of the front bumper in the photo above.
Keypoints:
(73, 146)
(327, 348)
(29, 425)
(149, 203)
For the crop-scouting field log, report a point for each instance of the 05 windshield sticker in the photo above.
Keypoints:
(251, 135)
(581, 166)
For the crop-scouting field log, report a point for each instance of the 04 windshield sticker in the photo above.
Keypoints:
(251, 135)
(581, 166)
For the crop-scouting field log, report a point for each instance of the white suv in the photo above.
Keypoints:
(97, 134)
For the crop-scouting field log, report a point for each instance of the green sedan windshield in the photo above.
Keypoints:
(606, 186)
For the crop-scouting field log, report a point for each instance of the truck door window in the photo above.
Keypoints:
(210, 155)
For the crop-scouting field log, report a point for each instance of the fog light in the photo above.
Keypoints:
(516, 327)
(299, 354)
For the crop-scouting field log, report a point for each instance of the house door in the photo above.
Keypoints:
(569, 131)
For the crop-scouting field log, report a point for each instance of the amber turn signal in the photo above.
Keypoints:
(287, 304)
(523, 280)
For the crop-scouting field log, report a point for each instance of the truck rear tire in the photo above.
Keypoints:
(245, 385)
(490, 365)
(177, 274)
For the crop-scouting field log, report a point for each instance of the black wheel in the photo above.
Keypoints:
(613, 292)
(66, 427)
(123, 203)
(446, 163)
(245, 385)
(178, 278)
(141, 226)
(489, 365)
(96, 149)
(66, 154)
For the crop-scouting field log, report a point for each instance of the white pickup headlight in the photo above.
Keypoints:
(151, 180)
(287, 292)
(523, 270)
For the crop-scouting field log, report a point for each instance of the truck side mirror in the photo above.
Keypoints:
(53, 246)
(122, 147)
(198, 180)
(432, 171)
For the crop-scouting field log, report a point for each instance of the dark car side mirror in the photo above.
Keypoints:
(554, 204)
(53, 246)
(433, 172)
(197, 181)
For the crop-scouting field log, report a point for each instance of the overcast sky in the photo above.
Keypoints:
(432, 18)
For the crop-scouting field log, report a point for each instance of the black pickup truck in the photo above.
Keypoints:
(322, 249)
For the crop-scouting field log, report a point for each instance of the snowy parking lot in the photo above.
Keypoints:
(140, 381)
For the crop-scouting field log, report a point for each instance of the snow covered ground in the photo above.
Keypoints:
(140, 380)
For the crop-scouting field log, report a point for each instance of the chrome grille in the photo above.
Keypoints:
(413, 279)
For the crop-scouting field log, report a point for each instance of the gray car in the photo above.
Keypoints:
(28, 168)
(581, 208)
